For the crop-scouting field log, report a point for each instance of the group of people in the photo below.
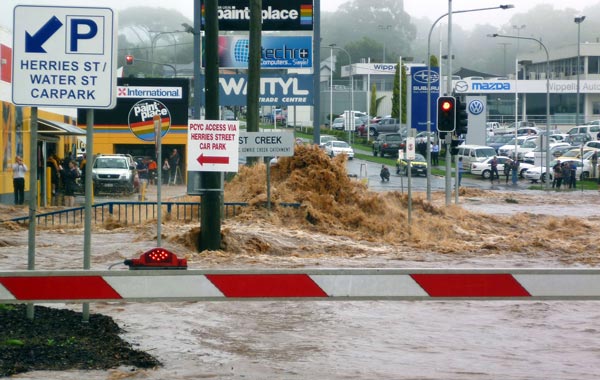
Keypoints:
(147, 170)
(510, 170)
(565, 175)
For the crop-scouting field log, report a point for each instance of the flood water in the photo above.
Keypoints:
(335, 339)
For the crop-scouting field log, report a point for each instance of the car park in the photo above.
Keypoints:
(421, 137)
(418, 165)
(484, 168)
(387, 143)
(113, 173)
(335, 148)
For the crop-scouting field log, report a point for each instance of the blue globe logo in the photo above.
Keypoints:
(240, 50)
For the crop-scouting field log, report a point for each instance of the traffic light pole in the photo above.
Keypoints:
(448, 168)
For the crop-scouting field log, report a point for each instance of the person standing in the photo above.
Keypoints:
(435, 154)
(19, 170)
(515, 171)
(507, 168)
(459, 170)
(166, 169)
(70, 175)
(174, 164)
(494, 165)
(557, 181)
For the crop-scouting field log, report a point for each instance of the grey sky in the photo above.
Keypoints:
(416, 8)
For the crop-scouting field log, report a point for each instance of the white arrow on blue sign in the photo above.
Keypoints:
(64, 56)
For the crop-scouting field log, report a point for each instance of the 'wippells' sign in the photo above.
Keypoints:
(276, 15)
(274, 90)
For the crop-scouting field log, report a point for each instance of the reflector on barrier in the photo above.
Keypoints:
(157, 258)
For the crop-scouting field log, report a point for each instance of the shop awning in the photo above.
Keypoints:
(52, 127)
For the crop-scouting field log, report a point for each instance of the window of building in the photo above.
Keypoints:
(593, 65)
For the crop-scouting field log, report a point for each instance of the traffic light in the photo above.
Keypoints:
(446, 114)
(454, 146)
(462, 118)
(129, 59)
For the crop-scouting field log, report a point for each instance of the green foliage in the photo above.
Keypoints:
(433, 61)
(373, 101)
(14, 342)
(396, 94)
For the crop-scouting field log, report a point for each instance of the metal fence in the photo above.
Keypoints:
(133, 212)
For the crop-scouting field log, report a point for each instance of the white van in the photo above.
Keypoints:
(590, 130)
(474, 153)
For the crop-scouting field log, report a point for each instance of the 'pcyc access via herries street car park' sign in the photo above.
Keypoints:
(213, 146)
(64, 56)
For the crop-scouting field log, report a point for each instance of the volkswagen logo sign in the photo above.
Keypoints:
(476, 107)
(421, 76)
(461, 86)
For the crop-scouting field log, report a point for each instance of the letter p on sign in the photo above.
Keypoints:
(83, 36)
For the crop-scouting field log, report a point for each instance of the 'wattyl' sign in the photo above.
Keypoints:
(274, 89)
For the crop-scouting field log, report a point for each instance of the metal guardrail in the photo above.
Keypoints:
(132, 212)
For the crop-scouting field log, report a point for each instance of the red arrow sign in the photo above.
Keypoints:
(202, 159)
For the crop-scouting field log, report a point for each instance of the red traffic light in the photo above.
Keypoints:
(446, 105)
(157, 258)
(129, 59)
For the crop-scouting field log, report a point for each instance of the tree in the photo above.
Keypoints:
(396, 93)
(373, 101)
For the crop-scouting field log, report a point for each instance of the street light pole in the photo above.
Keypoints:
(547, 100)
(508, 6)
(331, 66)
(518, 29)
(578, 21)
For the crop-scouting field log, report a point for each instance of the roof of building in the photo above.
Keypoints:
(465, 73)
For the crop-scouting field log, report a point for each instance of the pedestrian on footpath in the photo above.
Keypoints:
(19, 170)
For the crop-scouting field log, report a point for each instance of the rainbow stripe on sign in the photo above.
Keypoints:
(306, 14)
(145, 129)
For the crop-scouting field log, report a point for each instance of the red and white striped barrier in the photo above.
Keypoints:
(326, 284)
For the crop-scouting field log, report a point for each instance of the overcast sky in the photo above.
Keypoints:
(416, 8)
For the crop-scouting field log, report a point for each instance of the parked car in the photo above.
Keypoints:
(335, 148)
(509, 148)
(384, 126)
(496, 141)
(536, 155)
(538, 173)
(418, 165)
(591, 130)
(421, 137)
(338, 124)
(579, 139)
(323, 139)
(113, 173)
(594, 144)
(474, 153)
(387, 143)
(484, 168)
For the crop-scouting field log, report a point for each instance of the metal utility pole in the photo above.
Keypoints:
(210, 235)
(448, 187)
(254, 70)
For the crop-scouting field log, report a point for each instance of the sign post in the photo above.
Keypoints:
(64, 57)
